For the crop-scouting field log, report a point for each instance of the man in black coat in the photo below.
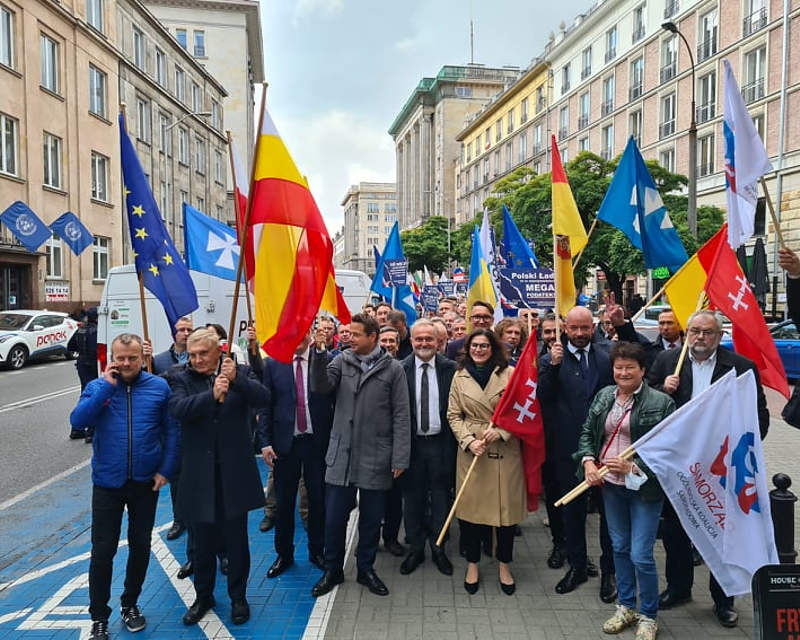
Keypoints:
(220, 482)
(85, 343)
(293, 434)
(433, 447)
(705, 363)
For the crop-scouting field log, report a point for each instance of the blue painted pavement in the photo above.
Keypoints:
(44, 563)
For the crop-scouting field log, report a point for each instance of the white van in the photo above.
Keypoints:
(120, 309)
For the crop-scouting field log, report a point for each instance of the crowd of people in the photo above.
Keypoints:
(388, 417)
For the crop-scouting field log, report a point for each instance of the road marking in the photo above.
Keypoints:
(15, 615)
(38, 619)
(59, 476)
(21, 404)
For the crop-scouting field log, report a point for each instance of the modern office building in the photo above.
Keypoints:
(370, 211)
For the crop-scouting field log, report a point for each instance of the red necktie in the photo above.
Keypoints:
(302, 424)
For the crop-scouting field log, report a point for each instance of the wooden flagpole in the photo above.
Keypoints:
(649, 303)
(771, 208)
(588, 236)
(145, 329)
(555, 284)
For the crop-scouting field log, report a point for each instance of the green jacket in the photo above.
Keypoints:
(649, 408)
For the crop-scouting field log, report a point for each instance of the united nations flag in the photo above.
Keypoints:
(69, 227)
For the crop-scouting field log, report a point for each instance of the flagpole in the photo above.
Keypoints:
(237, 213)
(649, 303)
(145, 329)
(555, 284)
(588, 235)
(243, 235)
(772, 213)
(700, 300)
(583, 486)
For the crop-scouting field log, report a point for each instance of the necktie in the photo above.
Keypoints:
(672, 345)
(424, 401)
(584, 363)
(302, 424)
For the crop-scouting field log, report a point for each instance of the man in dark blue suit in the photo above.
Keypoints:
(293, 433)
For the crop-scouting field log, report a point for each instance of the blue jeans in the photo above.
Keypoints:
(633, 524)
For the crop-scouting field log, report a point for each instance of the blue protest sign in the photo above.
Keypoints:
(532, 288)
(397, 270)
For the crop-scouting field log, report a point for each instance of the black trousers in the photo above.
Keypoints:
(679, 563)
(425, 484)
(107, 507)
(555, 515)
(574, 521)
(339, 502)
(393, 512)
(473, 535)
(307, 460)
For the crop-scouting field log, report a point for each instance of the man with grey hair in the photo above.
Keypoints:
(441, 335)
(706, 363)
(135, 453)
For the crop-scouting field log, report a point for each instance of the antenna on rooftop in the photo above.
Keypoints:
(471, 36)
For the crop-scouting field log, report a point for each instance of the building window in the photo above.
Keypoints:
(201, 204)
(216, 120)
(6, 37)
(200, 155)
(163, 200)
(164, 139)
(565, 78)
(607, 141)
(99, 177)
(488, 136)
(707, 97)
(707, 42)
(523, 147)
(498, 134)
(54, 257)
(638, 24)
(611, 44)
(509, 156)
(608, 96)
(537, 167)
(666, 159)
(497, 168)
(754, 72)
(143, 120)
(486, 170)
(469, 151)
(583, 144)
(586, 63)
(705, 155)
(138, 48)
(583, 115)
(637, 79)
(478, 145)
(669, 58)
(563, 122)
(97, 91)
(49, 51)
(180, 84)
(537, 138)
(564, 153)
(758, 123)
(523, 118)
(95, 14)
(755, 17)
(667, 126)
(180, 36)
(218, 165)
(539, 98)
(195, 97)
(635, 125)
(670, 8)
(8, 144)
(183, 145)
(200, 44)
(510, 120)
(184, 196)
(100, 258)
(476, 176)
(52, 161)
(220, 213)
(161, 68)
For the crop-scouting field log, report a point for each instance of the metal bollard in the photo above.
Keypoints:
(782, 505)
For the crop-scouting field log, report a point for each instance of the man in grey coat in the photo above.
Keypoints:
(370, 445)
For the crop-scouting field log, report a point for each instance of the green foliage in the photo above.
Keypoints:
(426, 245)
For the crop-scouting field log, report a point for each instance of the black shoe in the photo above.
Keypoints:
(571, 580)
(395, 548)
(472, 587)
(726, 615)
(317, 559)
(88, 439)
(99, 630)
(267, 522)
(591, 568)
(223, 566)
(412, 561)
(196, 612)
(608, 588)
(556, 558)
(508, 589)
(697, 559)
(517, 530)
(372, 582)
(133, 618)
(187, 569)
(175, 530)
(327, 582)
(442, 562)
(79, 434)
(668, 599)
(281, 564)
(240, 612)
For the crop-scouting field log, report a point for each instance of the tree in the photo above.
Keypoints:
(426, 245)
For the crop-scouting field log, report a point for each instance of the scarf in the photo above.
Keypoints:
(480, 373)
(368, 361)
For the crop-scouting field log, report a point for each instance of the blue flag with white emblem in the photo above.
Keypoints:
(72, 231)
(211, 246)
(26, 226)
(633, 205)
(157, 260)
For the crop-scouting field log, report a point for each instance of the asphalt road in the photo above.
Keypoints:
(35, 403)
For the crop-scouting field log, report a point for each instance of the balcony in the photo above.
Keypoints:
(754, 22)
(635, 91)
(562, 133)
(638, 33)
(586, 72)
(753, 91)
(705, 112)
(583, 121)
(611, 54)
(705, 169)
(668, 71)
(670, 9)
(706, 48)
(666, 129)
(607, 107)
(605, 154)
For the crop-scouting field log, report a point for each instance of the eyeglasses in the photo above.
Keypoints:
(702, 332)
(480, 346)
(481, 317)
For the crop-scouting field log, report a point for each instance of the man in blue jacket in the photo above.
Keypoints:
(135, 453)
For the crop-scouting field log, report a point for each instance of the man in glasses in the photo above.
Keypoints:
(706, 363)
(481, 316)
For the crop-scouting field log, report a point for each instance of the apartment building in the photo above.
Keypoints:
(370, 211)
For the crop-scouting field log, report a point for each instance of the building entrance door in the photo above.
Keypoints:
(14, 286)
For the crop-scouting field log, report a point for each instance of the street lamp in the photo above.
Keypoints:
(692, 209)
(204, 114)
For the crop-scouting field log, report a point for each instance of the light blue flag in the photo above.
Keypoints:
(382, 284)
(26, 226)
(72, 231)
(211, 246)
(633, 205)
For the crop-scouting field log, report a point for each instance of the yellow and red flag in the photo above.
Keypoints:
(568, 231)
(293, 252)
(332, 300)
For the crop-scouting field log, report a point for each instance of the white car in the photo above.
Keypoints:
(26, 333)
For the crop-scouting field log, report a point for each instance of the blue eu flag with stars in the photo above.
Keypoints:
(163, 271)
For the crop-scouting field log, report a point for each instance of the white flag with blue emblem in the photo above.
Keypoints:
(746, 161)
(211, 246)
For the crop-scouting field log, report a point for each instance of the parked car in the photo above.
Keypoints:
(26, 334)
(787, 340)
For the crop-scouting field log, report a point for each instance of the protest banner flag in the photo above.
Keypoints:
(480, 282)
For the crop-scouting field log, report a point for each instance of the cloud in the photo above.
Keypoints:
(305, 8)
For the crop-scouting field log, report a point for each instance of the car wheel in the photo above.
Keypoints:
(17, 357)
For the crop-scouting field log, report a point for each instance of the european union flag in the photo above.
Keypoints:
(69, 227)
(211, 246)
(518, 254)
(26, 226)
(633, 205)
(163, 271)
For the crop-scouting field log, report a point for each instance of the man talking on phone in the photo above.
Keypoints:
(135, 453)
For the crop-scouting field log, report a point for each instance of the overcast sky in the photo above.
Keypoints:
(340, 70)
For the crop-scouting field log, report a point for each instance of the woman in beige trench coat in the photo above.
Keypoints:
(495, 494)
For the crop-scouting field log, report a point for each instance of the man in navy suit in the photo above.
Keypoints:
(294, 431)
